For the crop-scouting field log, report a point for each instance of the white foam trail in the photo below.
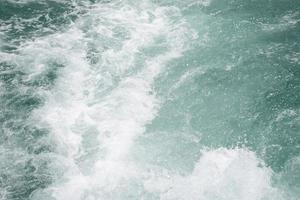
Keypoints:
(96, 111)
(75, 108)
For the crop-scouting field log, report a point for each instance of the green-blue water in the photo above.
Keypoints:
(149, 99)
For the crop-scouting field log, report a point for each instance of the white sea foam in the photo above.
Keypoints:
(75, 110)
(96, 111)
(220, 175)
(103, 98)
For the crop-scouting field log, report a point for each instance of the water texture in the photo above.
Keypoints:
(149, 99)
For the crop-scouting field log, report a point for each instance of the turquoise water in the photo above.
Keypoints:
(150, 99)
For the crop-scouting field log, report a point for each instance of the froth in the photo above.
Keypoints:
(78, 114)
(220, 174)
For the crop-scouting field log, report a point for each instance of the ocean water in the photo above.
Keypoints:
(149, 99)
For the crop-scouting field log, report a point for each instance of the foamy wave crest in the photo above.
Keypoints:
(219, 174)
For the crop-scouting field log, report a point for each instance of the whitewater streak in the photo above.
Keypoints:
(111, 99)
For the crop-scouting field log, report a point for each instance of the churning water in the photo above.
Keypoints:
(149, 99)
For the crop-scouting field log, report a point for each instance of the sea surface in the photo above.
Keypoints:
(149, 99)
